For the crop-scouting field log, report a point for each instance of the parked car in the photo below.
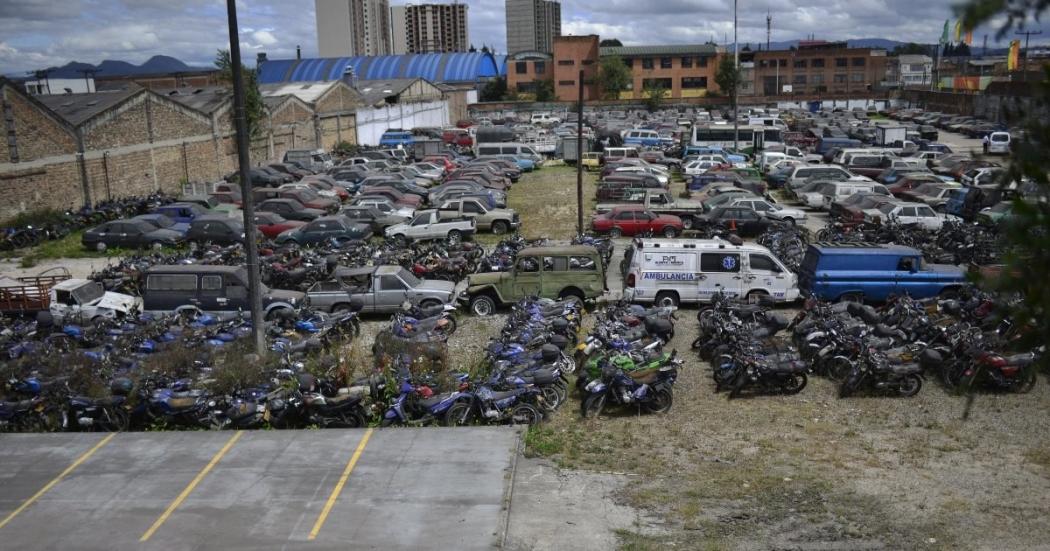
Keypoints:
(375, 219)
(310, 199)
(290, 209)
(740, 220)
(217, 229)
(181, 213)
(272, 224)
(934, 195)
(327, 229)
(575, 272)
(162, 222)
(912, 181)
(630, 220)
(858, 272)
(129, 234)
(498, 221)
(379, 289)
(908, 214)
(769, 209)
(428, 225)
(82, 301)
(851, 209)
(396, 137)
(384, 205)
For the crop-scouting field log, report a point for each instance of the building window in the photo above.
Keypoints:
(539, 66)
(702, 61)
(856, 77)
(800, 63)
(839, 79)
(566, 62)
(841, 62)
(817, 63)
(783, 62)
(587, 62)
(665, 63)
(694, 83)
(687, 63)
(566, 83)
(799, 79)
(859, 61)
(762, 64)
(664, 83)
(628, 62)
(647, 63)
(521, 67)
(816, 79)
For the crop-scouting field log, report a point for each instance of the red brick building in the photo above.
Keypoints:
(573, 54)
(683, 71)
(818, 67)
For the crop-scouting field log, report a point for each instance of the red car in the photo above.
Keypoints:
(458, 137)
(911, 182)
(441, 160)
(271, 224)
(633, 220)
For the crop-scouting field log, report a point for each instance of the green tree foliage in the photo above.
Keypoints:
(613, 77)
(654, 97)
(253, 104)
(911, 48)
(545, 90)
(1028, 231)
(610, 43)
(728, 78)
(495, 90)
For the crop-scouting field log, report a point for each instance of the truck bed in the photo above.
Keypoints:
(27, 294)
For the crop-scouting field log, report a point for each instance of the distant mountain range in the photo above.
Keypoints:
(157, 64)
(883, 43)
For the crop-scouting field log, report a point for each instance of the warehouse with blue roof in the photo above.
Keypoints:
(448, 68)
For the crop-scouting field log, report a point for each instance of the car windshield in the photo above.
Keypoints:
(1001, 208)
(162, 221)
(887, 208)
(409, 278)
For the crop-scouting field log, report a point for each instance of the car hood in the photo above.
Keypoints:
(165, 233)
(280, 295)
(116, 301)
(396, 228)
(436, 286)
(490, 278)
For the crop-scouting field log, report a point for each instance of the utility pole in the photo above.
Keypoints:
(736, 86)
(1027, 35)
(769, 28)
(580, 157)
(984, 48)
(240, 122)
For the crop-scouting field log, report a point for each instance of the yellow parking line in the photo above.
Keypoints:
(339, 485)
(57, 479)
(189, 488)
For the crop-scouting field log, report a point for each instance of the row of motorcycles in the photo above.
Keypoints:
(57, 225)
(954, 243)
(624, 363)
(890, 350)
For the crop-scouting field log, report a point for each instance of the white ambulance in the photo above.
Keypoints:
(669, 272)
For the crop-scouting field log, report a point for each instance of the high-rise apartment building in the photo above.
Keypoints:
(353, 27)
(429, 28)
(532, 25)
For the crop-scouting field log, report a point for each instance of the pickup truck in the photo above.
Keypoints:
(660, 202)
(83, 300)
(380, 289)
(428, 225)
(28, 295)
(498, 221)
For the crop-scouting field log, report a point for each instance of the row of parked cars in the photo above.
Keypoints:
(443, 197)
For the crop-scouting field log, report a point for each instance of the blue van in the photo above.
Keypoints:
(827, 144)
(863, 271)
(394, 138)
(956, 201)
(181, 213)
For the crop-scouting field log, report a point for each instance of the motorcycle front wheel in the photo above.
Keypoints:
(910, 385)
(794, 383)
(525, 414)
(660, 402)
(592, 406)
(1026, 384)
(458, 415)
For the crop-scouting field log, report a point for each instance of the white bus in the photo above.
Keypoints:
(720, 136)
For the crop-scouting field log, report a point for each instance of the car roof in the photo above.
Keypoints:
(863, 248)
(559, 250)
(343, 271)
(191, 268)
(216, 218)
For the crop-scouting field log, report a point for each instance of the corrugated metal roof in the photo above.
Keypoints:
(309, 92)
(375, 91)
(78, 108)
(206, 99)
(451, 67)
(671, 49)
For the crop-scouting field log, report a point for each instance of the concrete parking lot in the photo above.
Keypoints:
(362, 489)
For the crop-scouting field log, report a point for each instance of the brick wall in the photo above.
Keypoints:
(126, 125)
(38, 135)
(34, 188)
(336, 129)
(170, 121)
(340, 98)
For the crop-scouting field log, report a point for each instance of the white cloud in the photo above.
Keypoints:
(265, 38)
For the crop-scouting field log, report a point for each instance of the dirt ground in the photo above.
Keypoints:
(809, 471)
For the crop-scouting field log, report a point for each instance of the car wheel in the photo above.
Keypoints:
(454, 237)
(670, 232)
(100, 247)
(429, 303)
(688, 222)
(482, 305)
(499, 227)
(616, 233)
(790, 220)
(667, 298)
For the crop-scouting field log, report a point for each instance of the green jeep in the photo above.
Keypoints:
(549, 272)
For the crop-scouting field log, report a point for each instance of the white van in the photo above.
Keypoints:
(544, 119)
(669, 272)
(999, 142)
(508, 148)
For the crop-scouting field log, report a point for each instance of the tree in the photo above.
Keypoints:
(253, 105)
(1028, 231)
(654, 97)
(610, 43)
(911, 48)
(613, 77)
(545, 90)
(494, 90)
(728, 78)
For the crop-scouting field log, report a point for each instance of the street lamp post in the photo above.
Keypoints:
(736, 86)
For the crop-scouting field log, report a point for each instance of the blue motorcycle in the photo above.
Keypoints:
(418, 406)
(651, 390)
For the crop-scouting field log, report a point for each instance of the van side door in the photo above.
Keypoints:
(720, 272)
(212, 293)
(764, 273)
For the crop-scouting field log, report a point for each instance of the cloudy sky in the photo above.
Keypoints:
(41, 33)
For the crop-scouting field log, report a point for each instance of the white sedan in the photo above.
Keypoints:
(770, 209)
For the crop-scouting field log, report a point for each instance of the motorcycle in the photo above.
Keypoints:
(651, 390)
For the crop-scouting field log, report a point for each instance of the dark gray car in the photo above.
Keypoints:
(290, 209)
(129, 234)
(373, 217)
(217, 229)
(380, 289)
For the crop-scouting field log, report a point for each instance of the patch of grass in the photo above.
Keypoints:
(546, 201)
(1038, 456)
